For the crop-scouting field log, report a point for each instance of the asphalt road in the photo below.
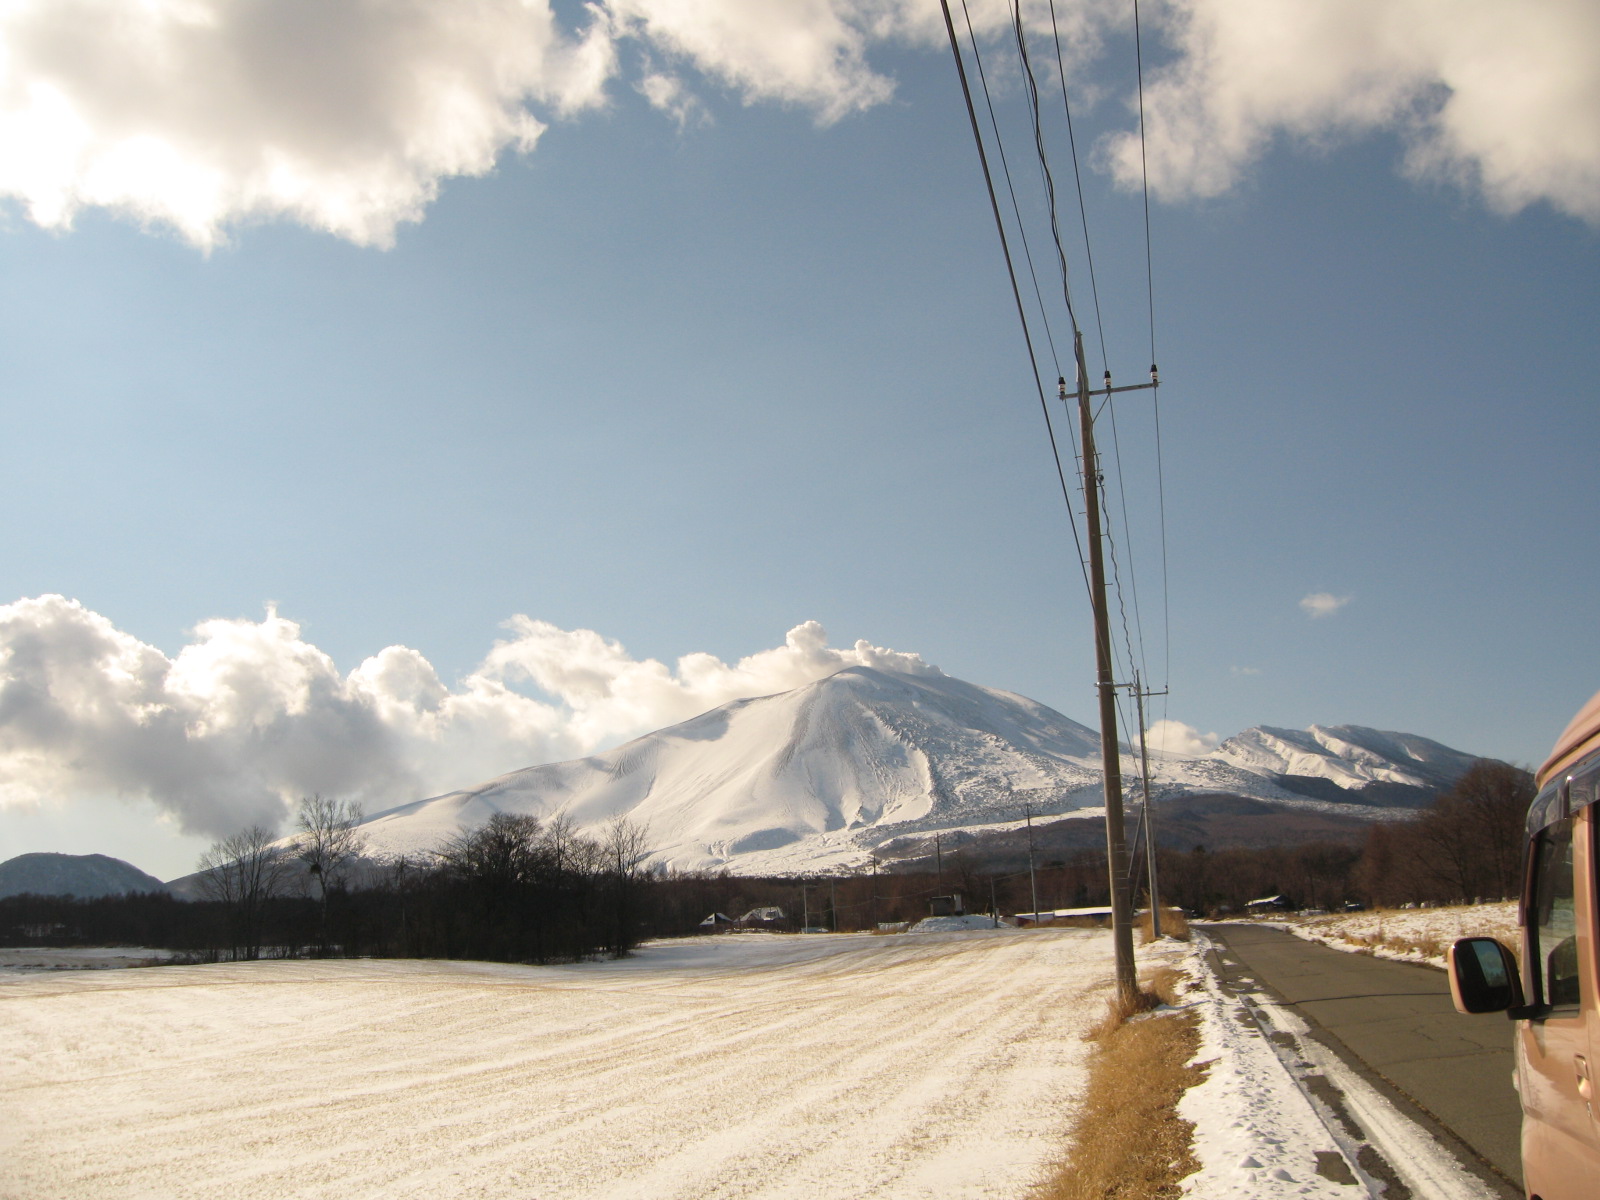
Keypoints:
(1394, 1021)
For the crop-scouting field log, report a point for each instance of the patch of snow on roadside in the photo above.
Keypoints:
(1256, 1133)
(1418, 935)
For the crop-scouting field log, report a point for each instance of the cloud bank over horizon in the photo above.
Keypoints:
(249, 716)
(199, 115)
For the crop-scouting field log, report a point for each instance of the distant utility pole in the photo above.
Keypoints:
(805, 908)
(874, 891)
(833, 903)
(1033, 882)
(1110, 751)
(938, 861)
(1139, 695)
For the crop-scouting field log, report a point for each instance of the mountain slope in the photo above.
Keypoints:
(820, 775)
(82, 875)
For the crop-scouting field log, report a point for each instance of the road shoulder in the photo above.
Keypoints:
(1396, 1137)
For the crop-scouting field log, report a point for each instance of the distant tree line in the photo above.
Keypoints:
(514, 890)
(521, 890)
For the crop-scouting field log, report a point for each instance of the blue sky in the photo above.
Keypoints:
(689, 384)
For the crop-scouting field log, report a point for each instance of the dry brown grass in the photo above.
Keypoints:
(1128, 1142)
(1173, 925)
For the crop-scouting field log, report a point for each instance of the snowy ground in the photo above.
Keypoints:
(92, 958)
(1419, 935)
(1263, 1132)
(840, 1066)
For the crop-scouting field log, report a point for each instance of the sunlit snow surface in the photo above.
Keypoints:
(1420, 935)
(940, 1065)
(812, 779)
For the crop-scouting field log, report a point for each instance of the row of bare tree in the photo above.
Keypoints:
(515, 889)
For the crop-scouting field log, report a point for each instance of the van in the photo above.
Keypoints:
(1553, 994)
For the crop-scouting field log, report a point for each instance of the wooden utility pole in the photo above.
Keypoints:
(1033, 883)
(1149, 814)
(1110, 752)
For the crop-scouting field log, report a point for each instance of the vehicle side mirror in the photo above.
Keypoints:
(1483, 976)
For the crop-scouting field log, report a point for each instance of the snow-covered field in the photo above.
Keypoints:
(1419, 935)
(839, 1066)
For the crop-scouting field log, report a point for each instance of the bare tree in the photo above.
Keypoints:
(1470, 842)
(623, 848)
(329, 840)
(243, 872)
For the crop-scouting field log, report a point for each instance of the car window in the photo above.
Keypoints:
(1553, 921)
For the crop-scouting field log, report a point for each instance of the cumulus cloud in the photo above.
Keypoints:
(249, 716)
(197, 115)
(1174, 737)
(1503, 99)
(1322, 604)
(194, 113)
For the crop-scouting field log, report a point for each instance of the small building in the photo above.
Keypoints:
(946, 906)
(1267, 904)
(770, 917)
(1101, 913)
(718, 923)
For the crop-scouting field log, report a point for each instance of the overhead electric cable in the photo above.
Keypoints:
(1016, 293)
(1044, 164)
(1150, 295)
(1077, 175)
(1016, 210)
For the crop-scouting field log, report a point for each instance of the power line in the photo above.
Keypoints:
(1011, 273)
(1072, 145)
(1016, 210)
(1150, 295)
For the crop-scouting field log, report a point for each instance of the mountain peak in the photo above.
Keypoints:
(822, 774)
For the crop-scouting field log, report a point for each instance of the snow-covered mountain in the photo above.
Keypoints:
(823, 774)
(1347, 755)
(82, 875)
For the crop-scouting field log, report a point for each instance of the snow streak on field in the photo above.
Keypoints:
(903, 1066)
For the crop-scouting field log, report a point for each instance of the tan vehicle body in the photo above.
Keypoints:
(1557, 1013)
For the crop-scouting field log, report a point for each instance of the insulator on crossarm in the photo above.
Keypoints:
(1108, 381)
(1155, 375)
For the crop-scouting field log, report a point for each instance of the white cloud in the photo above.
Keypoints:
(1174, 737)
(1506, 99)
(1244, 670)
(1322, 604)
(197, 115)
(669, 94)
(249, 716)
(194, 113)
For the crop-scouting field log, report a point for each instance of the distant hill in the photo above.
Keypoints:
(82, 875)
(873, 762)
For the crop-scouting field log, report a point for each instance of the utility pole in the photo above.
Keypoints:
(805, 908)
(874, 891)
(833, 903)
(1110, 753)
(938, 861)
(1139, 695)
(1033, 882)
